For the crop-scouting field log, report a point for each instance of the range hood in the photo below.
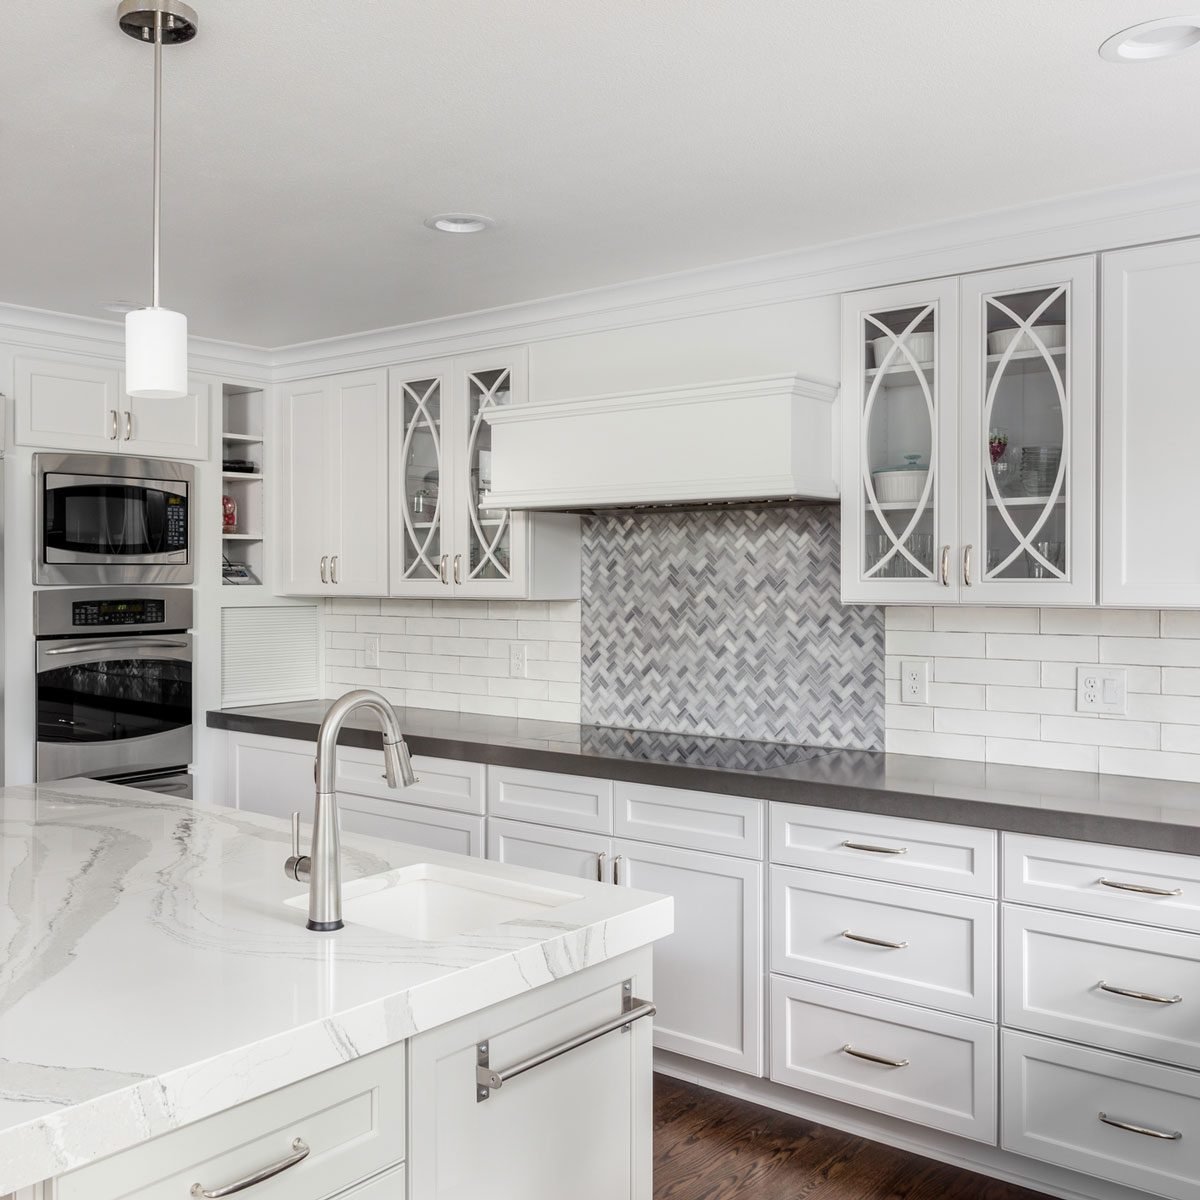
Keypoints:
(738, 441)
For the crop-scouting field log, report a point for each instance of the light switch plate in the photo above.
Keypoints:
(1100, 690)
(914, 681)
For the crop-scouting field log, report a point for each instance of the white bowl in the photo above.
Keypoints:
(1053, 337)
(899, 486)
(920, 346)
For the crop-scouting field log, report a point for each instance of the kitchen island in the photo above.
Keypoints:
(155, 978)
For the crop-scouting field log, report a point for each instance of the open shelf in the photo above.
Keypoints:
(243, 417)
(242, 476)
(247, 439)
(241, 537)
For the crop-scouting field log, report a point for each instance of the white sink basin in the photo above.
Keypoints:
(430, 902)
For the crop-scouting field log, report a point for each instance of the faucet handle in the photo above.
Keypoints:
(299, 866)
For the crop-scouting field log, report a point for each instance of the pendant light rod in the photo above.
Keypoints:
(158, 36)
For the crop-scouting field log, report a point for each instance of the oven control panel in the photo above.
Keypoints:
(134, 611)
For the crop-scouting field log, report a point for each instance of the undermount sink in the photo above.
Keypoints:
(429, 902)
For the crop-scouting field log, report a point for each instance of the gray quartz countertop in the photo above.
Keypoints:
(1122, 810)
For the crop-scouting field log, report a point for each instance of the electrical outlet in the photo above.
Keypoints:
(914, 682)
(518, 660)
(371, 651)
(1100, 690)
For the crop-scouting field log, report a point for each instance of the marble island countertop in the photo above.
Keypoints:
(152, 974)
(1152, 814)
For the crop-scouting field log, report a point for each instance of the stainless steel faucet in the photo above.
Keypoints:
(322, 867)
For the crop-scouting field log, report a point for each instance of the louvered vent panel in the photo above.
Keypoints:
(269, 654)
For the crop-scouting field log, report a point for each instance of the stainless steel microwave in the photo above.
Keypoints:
(109, 518)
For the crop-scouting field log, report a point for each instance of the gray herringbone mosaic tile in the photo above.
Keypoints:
(728, 623)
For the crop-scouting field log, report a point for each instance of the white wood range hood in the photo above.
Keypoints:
(766, 438)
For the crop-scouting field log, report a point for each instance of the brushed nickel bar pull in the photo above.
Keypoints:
(325, 568)
(875, 849)
(967, 565)
(333, 569)
(1136, 995)
(458, 568)
(128, 425)
(945, 566)
(488, 1079)
(1142, 889)
(617, 869)
(112, 416)
(442, 568)
(601, 858)
(299, 1153)
(1144, 1130)
(872, 941)
(875, 1058)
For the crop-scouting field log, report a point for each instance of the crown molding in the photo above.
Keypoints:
(1159, 210)
(43, 331)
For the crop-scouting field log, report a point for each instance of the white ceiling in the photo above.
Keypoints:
(306, 141)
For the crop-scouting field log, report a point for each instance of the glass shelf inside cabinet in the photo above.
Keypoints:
(1025, 418)
(899, 424)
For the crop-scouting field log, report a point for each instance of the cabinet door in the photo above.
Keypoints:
(421, 489)
(899, 444)
(167, 428)
(357, 417)
(304, 489)
(1150, 426)
(489, 544)
(708, 975)
(584, 855)
(1028, 430)
(67, 405)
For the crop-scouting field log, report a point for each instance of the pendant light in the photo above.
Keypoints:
(156, 337)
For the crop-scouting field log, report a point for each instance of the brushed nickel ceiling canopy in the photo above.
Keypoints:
(139, 19)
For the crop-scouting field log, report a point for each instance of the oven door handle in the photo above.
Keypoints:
(115, 644)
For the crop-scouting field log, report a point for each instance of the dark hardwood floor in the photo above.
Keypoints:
(711, 1147)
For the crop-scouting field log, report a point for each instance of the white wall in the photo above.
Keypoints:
(1003, 688)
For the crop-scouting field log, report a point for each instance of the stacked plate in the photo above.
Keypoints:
(1039, 469)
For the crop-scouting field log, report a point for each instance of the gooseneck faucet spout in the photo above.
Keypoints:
(322, 867)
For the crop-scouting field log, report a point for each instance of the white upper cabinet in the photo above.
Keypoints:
(900, 443)
(969, 439)
(1150, 426)
(83, 406)
(444, 541)
(333, 486)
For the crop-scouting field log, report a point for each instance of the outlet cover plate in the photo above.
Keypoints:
(1100, 690)
(518, 661)
(914, 681)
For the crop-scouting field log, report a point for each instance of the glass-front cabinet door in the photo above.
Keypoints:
(899, 470)
(489, 543)
(420, 495)
(1028, 421)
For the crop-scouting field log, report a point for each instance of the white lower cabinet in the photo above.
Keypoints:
(932, 1068)
(1103, 1114)
(709, 972)
(1116, 986)
(578, 1125)
(350, 1120)
(896, 942)
(544, 848)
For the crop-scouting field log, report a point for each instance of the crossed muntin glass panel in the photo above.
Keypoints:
(490, 529)
(421, 453)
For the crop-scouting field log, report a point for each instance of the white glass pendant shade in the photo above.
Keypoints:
(156, 354)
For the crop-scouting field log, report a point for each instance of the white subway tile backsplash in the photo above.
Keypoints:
(916, 618)
(1019, 694)
(463, 646)
(432, 626)
(968, 619)
(1043, 647)
(520, 689)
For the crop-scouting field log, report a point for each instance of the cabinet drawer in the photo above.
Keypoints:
(689, 820)
(1142, 885)
(441, 782)
(1055, 966)
(569, 801)
(433, 828)
(892, 849)
(896, 942)
(1053, 1097)
(948, 1077)
(351, 1118)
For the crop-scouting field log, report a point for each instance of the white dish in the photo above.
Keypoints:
(1053, 337)
(900, 486)
(920, 346)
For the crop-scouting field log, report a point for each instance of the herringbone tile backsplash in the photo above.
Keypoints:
(728, 623)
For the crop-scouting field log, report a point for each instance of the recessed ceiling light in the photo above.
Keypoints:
(1152, 39)
(119, 306)
(460, 223)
